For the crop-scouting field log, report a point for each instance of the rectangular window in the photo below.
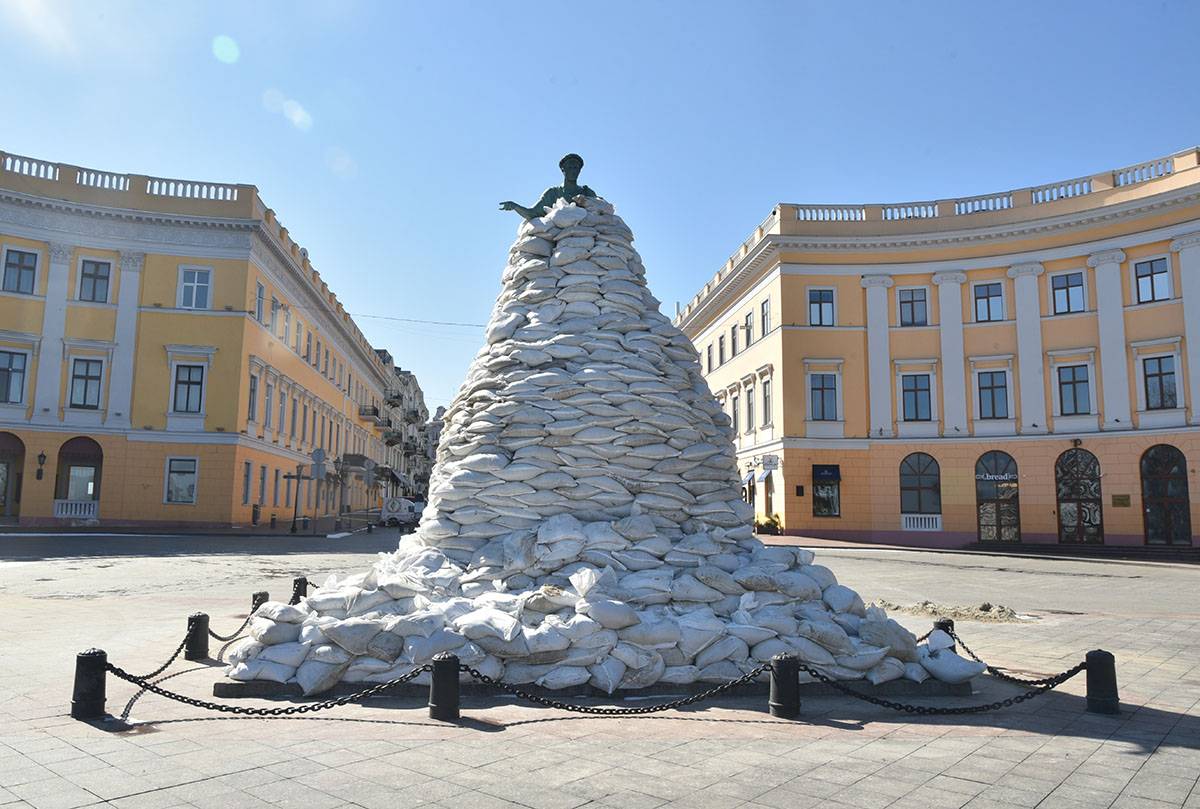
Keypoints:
(721, 350)
(733, 341)
(1153, 280)
(748, 327)
(765, 317)
(308, 347)
(274, 315)
(93, 281)
(1159, 376)
(766, 397)
(749, 409)
(275, 491)
(252, 409)
(20, 271)
(189, 387)
(194, 293)
(993, 395)
(734, 404)
(1067, 290)
(989, 302)
(304, 425)
(181, 480)
(316, 360)
(85, 384)
(282, 411)
(287, 492)
(268, 401)
(1073, 396)
(293, 430)
(287, 326)
(826, 490)
(262, 485)
(915, 390)
(260, 295)
(913, 308)
(325, 366)
(823, 397)
(247, 471)
(820, 307)
(12, 377)
(709, 356)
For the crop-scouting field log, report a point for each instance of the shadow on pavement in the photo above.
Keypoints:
(25, 548)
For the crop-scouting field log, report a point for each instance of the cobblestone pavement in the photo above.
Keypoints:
(61, 595)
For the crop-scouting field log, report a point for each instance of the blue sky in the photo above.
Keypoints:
(384, 133)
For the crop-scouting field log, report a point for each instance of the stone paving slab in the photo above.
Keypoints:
(1047, 752)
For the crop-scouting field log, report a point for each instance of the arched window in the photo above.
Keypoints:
(1165, 504)
(1080, 509)
(996, 497)
(920, 485)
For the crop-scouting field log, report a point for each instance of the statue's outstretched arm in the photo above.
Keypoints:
(527, 213)
(538, 208)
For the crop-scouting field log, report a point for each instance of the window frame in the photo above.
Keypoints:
(26, 356)
(37, 267)
(765, 386)
(931, 383)
(260, 303)
(764, 317)
(748, 391)
(975, 285)
(252, 399)
(182, 283)
(1143, 392)
(1082, 273)
(720, 350)
(108, 280)
(709, 357)
(1074, 383)
(1135, 292)
(733, 341)
(98, 379)
(835, 485)
(247, 475)
(175, 366)
(900, 307)
(748, 328)
(734, 412)
(832, 304)
(167, 480)
(836, 395)
(936, 487)
(1008, 394)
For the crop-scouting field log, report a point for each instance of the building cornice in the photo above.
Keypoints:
(1106, 257)
(955, 277)
(1033, 268)
(1185, 241)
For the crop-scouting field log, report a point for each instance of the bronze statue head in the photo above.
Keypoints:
(571, 165)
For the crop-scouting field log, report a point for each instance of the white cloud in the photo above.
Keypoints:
(341, 163)
(44, 21)
(291, 109)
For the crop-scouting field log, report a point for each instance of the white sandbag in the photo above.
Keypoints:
(887, 632)
(727, 647)
(269, 632)
(329, 653)
(644, 676)
(316, 677)
(949, 667)
(842, 599)
(687, 588)
(386, 646)
(311, 634)
(563, 677)
(244, 649)
(633, 657)
(363, 667)
(544, 638)
(863, 658)
(367, 600)
(778, 619)
(797, 585)
(329, 600)
(278, 611)
(888, 669)
(517, 673)
(750, 633)
(828, 634)
(606, 675)
(259, 669)
(756, 577)
(915, 672)
(353, 634)
(810, 651)
(820, 574)
(607, 612)
(939, 640)
(423, 623)
(488, 622)
(718, 579)
(847, 621)
(287, 654)
(421, 650)
(720, 672)
(679, 675)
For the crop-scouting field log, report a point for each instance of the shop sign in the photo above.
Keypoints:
(1120, 501)
(999, 478)
(770, 462)
(826, 473)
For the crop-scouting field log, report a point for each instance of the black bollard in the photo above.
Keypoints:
(87, 698)
(947, 626)
(196, 645)
(443, 688)
(784, 700)
(299, 589)
(258, 599)
(1102, 683)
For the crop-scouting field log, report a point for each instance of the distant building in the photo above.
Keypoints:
(1022, 366)
(169, 355)
(406, 441)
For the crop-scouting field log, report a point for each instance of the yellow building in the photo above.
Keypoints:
(169, 355)
(1014, 367)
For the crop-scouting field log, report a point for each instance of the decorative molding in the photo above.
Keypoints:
(1082, 351)
(1106, 257)
(191, 351)
(1033, 268)
(132, 261)
(834, 361)
(1186, 241)
(60, 252)
(954, 277)
(869, 281)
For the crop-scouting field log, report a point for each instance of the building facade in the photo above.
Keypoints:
(1014, 367)
(406, 441)
(170, 357)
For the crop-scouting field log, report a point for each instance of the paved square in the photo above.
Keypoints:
(130, 597)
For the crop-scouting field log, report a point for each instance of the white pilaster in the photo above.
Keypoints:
(1030, 360)
(1110, 317)
(954, 386)
(54, 325)
(879, 362)
(120, 383)
(1188, 248)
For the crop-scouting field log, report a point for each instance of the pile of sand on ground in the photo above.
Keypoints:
(997, 613)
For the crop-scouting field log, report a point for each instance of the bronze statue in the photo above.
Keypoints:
(571, 165)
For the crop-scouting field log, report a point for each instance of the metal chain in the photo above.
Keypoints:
(235, 633)
(924, 710)
(995, 672)
(243, 711)
(588, 709)
(138, 694)
(170, 660)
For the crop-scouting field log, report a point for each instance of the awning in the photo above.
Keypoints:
(749, 477)
(762, 475)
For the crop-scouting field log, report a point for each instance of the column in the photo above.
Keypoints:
(1030, 360)
(1188, 248)
(1110, 314)
(54, 325)
(879, 355)
(954, 387)
(120, 375)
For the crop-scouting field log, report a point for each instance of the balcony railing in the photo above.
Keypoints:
(368, 411)
(920, 522)
(77, 509)
(392, 437)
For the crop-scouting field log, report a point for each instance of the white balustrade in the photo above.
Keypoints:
(921, 522)
(1062, 190)
(102, 179)
(1143, 171)
(30, 167)
(911, 210)
(77, 509)
(187, 189)
(831, 213)
(987, 202)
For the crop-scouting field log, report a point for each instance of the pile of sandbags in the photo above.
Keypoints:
(584, 521)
